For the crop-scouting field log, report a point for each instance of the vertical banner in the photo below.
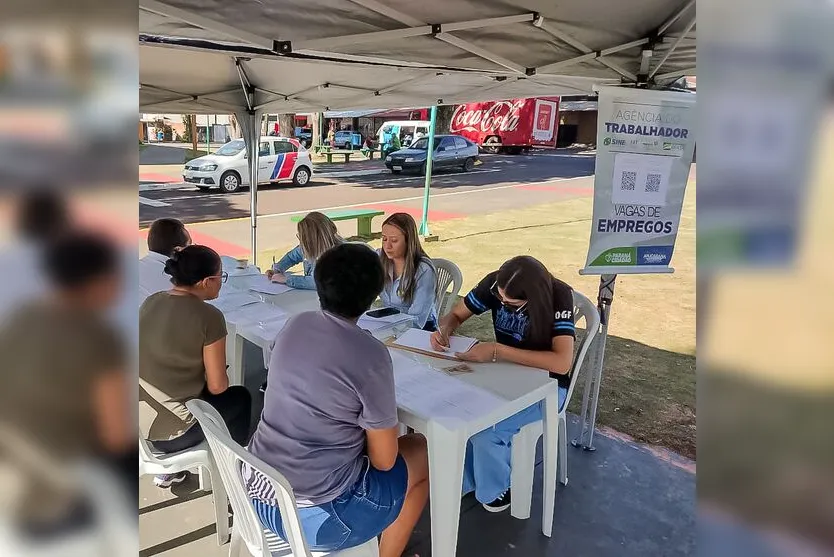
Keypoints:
(645, 144)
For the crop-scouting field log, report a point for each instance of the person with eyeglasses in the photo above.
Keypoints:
(532, 314)
(182, 356)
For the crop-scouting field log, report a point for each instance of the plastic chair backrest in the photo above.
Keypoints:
(583, 307)
(447, 273)
(228, 457)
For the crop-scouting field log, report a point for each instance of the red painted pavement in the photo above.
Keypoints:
(159, 178)
(560, 189)
(220, 246)
(415, 212)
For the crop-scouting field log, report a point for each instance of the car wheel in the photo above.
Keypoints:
(491, 145)
(230, 181)
(203, 189)
(301, 176)
(348, 146)
(468, 164)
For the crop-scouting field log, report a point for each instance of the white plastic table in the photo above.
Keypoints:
(520, 387)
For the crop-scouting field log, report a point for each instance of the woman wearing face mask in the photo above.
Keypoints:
(410, 278)
(532, 314)
(316, 235)
(182, 356)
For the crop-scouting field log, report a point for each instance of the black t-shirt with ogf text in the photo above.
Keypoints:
(511, 326)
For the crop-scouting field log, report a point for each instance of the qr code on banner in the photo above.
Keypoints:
(628, 181)
(653, 183)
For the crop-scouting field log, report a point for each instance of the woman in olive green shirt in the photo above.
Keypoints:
(182, 355)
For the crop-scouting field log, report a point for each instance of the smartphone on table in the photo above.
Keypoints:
(383, 312)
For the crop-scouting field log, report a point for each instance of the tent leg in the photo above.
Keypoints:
(250, 123)
(424, 225)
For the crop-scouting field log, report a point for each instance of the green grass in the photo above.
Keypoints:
(648, 387)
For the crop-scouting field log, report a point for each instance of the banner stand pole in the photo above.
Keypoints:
(590, 397)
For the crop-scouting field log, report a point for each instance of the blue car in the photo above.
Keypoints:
(346, 139)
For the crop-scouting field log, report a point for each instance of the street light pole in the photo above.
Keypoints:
(424, 225)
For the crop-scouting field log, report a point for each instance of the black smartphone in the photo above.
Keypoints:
(383, 312)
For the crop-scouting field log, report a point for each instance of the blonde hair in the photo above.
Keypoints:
(317, 234)
(414, 255)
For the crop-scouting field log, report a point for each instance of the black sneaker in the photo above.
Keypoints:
(167, 480)
(500, 504)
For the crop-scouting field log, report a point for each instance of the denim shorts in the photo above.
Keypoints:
(359, 514)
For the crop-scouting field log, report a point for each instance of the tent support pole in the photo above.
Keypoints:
(593, 377)
(424, 225)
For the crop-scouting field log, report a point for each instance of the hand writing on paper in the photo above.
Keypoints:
(481, 352)
(269, 274)
(439, 342)
(280, 278)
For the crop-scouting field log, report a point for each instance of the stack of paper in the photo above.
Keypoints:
(230, 300)
(374, 324)
(434, 395)
(266, 286)
(421, 340)
(261, 312)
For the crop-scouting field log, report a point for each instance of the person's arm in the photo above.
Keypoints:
(448, 324)
(302, 282)
(423, 302)
(382, 447)
(110, 403)
(479, 300)
(556, 360)
(214, 360)
(290, 259)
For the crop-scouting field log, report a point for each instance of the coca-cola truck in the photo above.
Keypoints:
(508, 126)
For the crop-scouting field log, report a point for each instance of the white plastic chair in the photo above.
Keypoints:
(197, 457)
(524, 442)
(447, 274)
(247, 531)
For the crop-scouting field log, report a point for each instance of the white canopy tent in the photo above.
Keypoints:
(249, 57)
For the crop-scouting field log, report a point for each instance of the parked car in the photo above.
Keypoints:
(346, 139)
(449, 151)
(304, 136)
(280, 159)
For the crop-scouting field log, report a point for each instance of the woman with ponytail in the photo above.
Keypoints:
(532, 314)
(182, 356)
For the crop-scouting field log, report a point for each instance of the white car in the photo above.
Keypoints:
(280, 159)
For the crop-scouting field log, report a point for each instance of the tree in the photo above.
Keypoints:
(235, 126)
(286, 124)
(444, 118)
(186, 121)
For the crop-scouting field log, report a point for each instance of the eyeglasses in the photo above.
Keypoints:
(494, 290)
(223, 276)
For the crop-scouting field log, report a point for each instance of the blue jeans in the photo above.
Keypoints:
(359, 514)
(487, 468)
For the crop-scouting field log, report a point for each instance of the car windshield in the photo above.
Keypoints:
(231, 148)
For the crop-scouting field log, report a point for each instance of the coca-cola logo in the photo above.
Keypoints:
(501, 116)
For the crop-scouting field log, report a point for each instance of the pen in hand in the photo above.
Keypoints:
(444, 342)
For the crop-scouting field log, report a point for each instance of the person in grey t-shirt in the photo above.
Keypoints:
(329, 423)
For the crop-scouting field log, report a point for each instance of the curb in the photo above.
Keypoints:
(351, 173)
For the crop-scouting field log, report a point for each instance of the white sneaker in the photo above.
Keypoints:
(167, 480)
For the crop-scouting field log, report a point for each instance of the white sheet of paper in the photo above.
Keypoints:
(421, 340)
(434, 395)
(231, 300)
(266, 286)
(256, 313)
(373, 324)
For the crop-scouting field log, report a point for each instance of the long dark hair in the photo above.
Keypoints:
(526, 278)
(414, 255)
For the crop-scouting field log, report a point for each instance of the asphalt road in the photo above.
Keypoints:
(501, 182)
